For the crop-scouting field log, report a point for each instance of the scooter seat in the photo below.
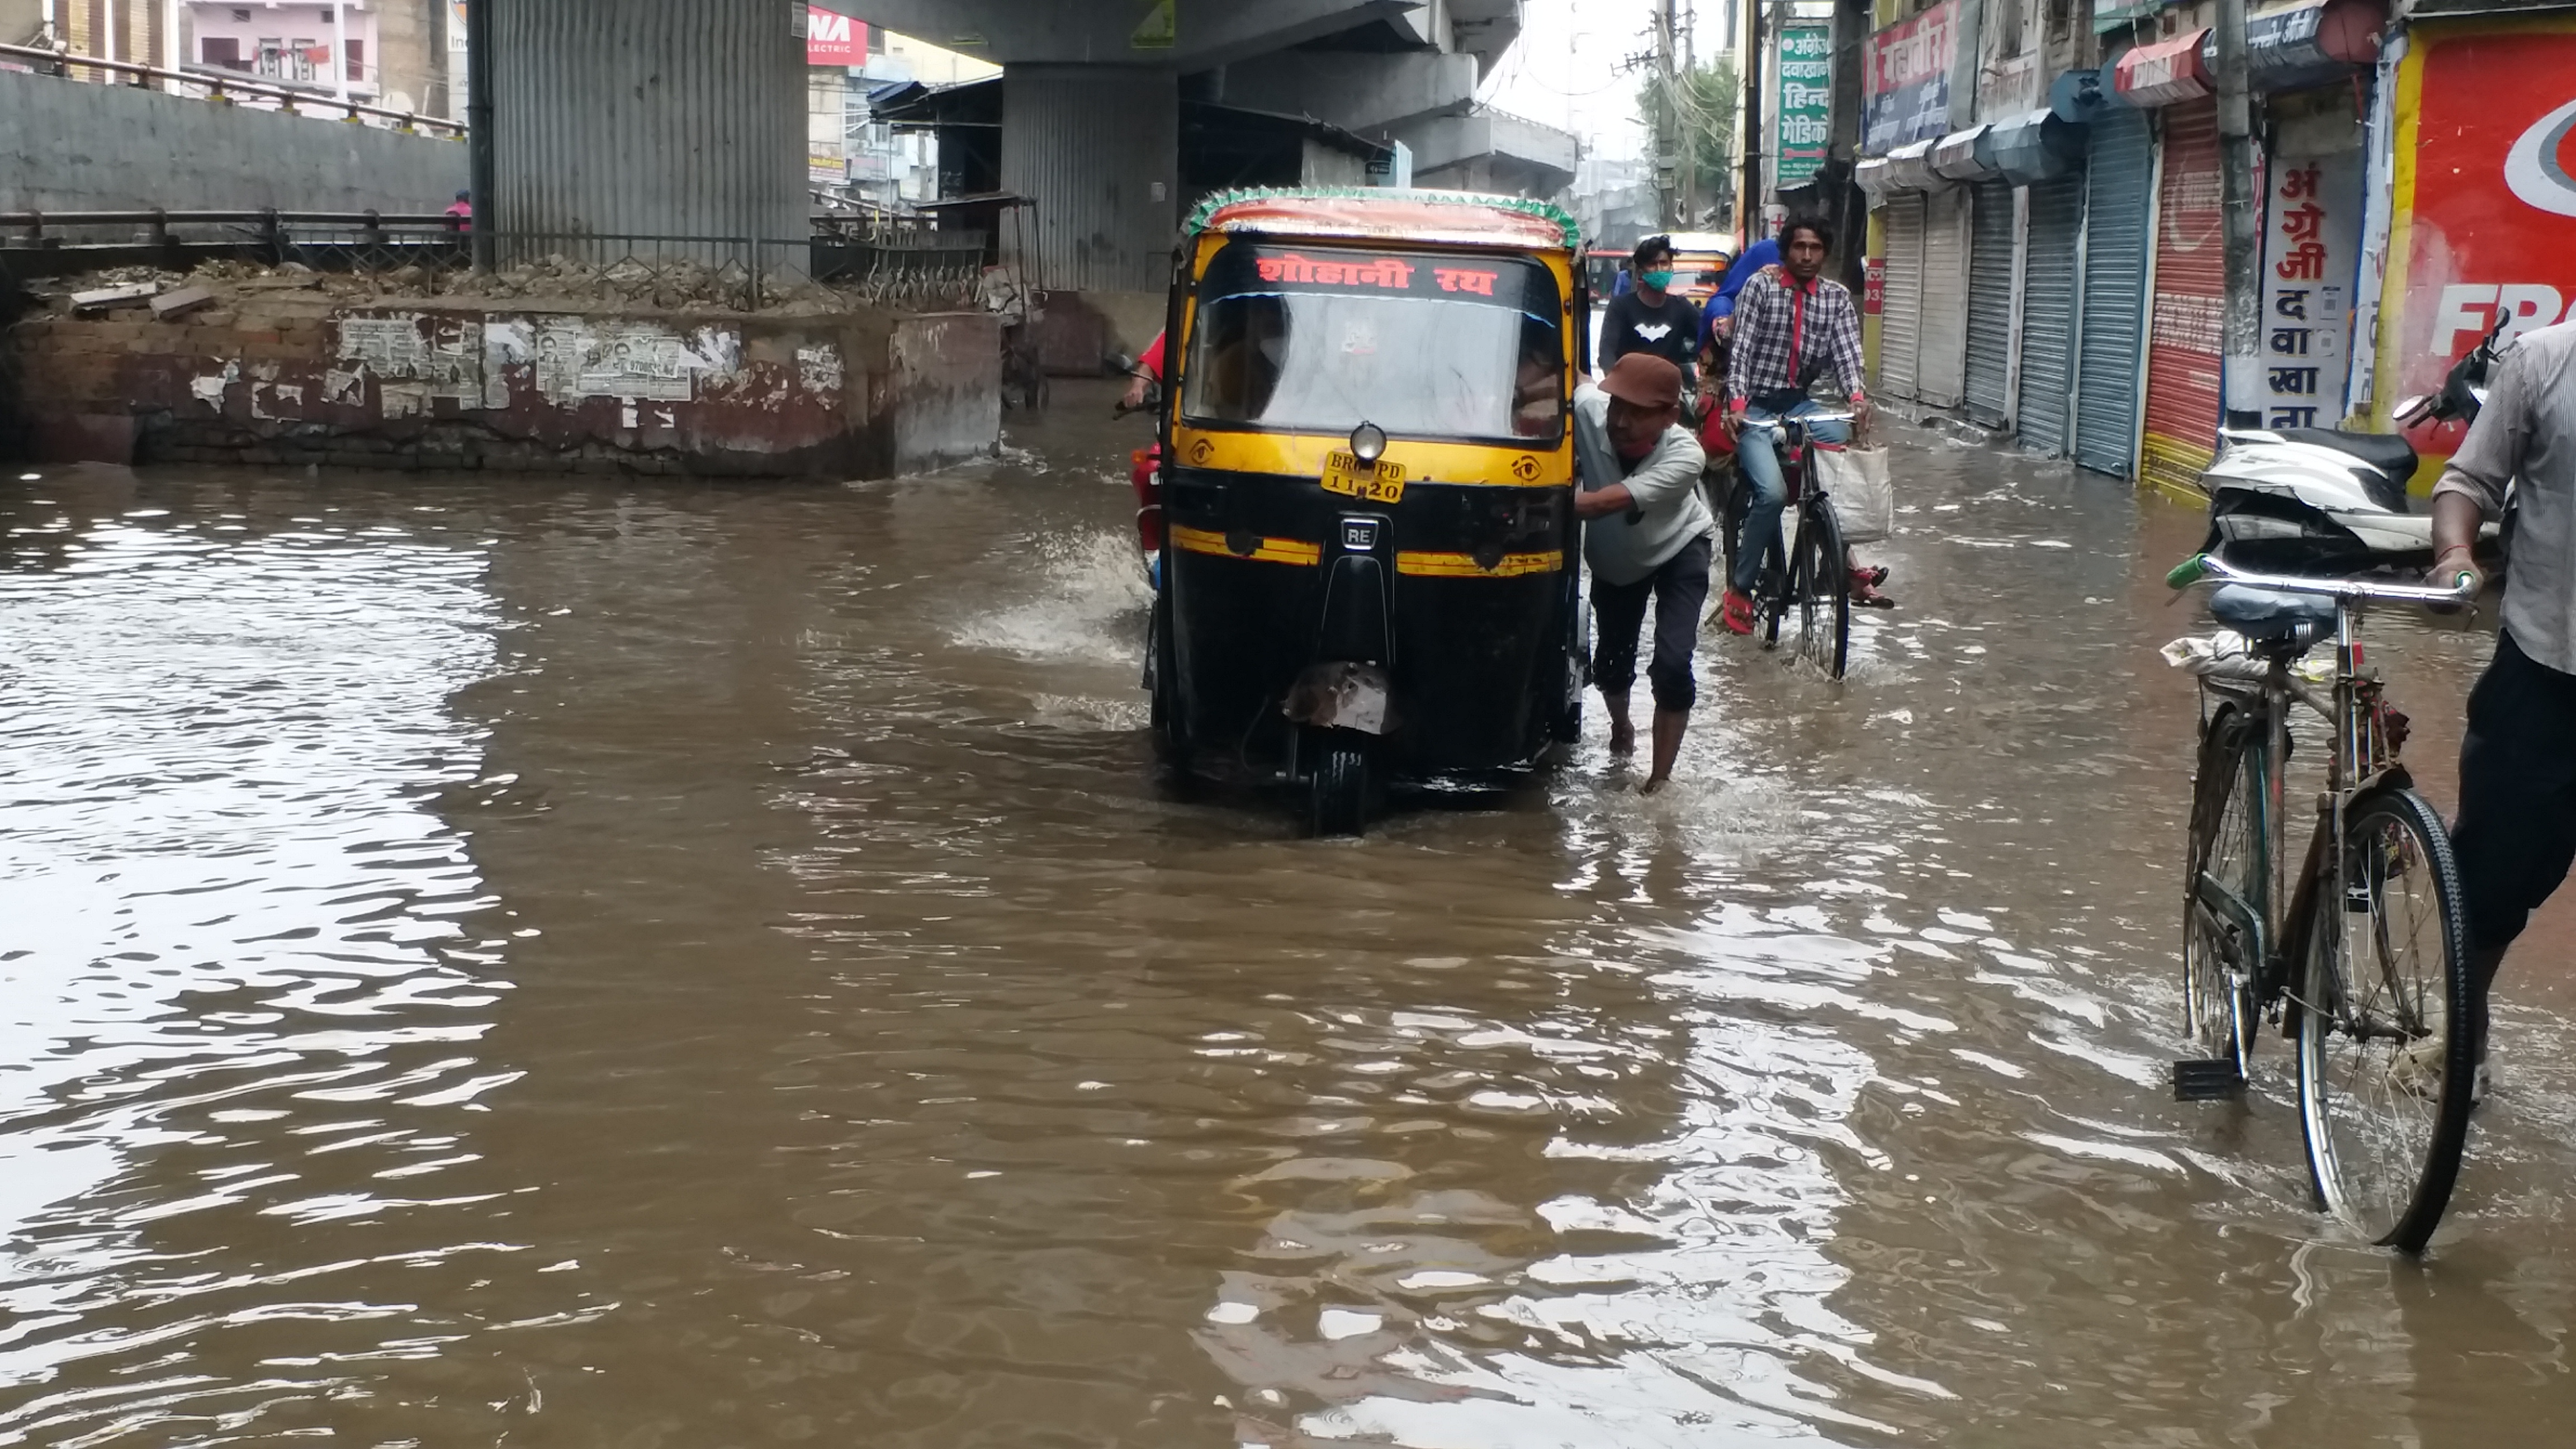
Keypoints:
(2386, 452)
(2273, 616)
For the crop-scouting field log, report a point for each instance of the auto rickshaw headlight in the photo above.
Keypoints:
(1368, 442)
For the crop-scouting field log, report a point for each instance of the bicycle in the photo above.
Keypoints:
(1804, 567)
(2364, 963)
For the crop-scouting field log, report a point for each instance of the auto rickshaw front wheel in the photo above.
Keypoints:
(1339, 787)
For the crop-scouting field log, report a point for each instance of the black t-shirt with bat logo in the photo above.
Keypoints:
(1669, 330)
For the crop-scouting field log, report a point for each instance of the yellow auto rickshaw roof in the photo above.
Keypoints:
(1377, 214)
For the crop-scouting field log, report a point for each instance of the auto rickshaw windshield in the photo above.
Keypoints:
(1321, 338)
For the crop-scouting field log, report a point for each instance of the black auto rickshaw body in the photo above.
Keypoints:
(1370, 559)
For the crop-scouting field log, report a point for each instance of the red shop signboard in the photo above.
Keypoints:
(2488, 201)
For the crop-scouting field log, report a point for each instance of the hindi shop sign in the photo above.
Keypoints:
(2487, 204)
(1804, 104)
(1905, 97)
(2311, 226)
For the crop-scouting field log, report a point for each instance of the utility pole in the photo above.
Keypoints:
(1748, 195)
(482, 162)
(1691, 127)
(1668, 115)
(2243, 325)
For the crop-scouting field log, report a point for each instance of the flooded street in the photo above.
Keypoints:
(658, 967)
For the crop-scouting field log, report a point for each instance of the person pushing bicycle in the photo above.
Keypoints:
(1790, 327)
(2516, 831)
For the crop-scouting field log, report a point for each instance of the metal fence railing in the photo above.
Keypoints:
(220, 88)
(904, 268)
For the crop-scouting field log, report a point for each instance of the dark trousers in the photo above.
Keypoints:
(1680, 590)
(2516, 832)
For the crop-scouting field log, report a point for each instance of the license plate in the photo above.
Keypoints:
(1344, 473)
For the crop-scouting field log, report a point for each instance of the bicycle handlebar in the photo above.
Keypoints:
(1814, 417)
(2210, 566)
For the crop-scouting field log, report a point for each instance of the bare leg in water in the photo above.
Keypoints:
(1668, 746)
(1623, 735)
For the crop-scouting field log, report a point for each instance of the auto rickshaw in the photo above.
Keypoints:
(1700, 260)
(1369, 561)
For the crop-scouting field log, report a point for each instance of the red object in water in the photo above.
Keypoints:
(1144, 475)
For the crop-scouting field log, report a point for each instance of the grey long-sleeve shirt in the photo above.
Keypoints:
(2527, 430)
(1665, 485)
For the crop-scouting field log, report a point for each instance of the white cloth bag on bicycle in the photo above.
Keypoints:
(1864, 498)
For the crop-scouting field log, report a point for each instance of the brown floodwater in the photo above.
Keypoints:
(523, 962)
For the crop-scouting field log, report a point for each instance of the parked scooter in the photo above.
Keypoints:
(2313, 500)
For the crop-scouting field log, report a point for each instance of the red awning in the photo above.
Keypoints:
(2163, 73)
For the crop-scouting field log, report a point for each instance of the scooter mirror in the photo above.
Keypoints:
(2412, 409)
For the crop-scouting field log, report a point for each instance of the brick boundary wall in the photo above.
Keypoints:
(282, 376)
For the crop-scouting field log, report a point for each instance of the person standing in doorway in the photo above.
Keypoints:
(1646, 537)
(1650, 319)
(2516, 832)
(1791, 327)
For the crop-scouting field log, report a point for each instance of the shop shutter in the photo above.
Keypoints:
(1940, 369)
(2119, 180)
(2185, 323)
(2048, 315)
(1900, 311)
(1990, 293)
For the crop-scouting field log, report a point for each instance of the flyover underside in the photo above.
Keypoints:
(654, 117)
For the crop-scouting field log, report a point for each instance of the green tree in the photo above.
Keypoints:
(1693, 119)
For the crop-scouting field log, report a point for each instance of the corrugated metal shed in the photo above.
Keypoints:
(1098, 148)
(660, 117)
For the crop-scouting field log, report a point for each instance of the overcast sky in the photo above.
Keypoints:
(1565, 68)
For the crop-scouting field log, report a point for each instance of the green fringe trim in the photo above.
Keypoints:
(1543, 210)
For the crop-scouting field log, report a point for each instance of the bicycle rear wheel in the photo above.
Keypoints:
(1820, 582)
(2226, 883)
(2387, 1048)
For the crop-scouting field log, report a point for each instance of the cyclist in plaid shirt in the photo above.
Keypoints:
(1793, 311)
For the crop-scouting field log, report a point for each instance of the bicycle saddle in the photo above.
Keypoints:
(2273, 616)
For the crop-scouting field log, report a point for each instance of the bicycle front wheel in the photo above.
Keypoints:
(1820, 582)
(2387, 1048)
(2226, 886)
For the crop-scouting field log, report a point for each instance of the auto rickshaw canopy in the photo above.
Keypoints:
(1442, 218)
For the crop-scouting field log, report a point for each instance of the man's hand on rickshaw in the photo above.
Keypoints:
(1603, 502)
(1137, 386)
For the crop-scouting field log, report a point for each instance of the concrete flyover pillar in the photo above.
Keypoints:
(1098, 148)
(655, 117)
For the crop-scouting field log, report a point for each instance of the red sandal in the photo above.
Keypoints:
(1864, 588)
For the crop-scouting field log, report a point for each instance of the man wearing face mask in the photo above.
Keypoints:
(1650, 319)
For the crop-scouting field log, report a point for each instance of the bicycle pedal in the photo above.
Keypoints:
(2207, 1079)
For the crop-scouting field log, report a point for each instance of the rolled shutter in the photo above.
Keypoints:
(2048, 315)
(1990, 289)
(1900, 314)
(2119, 179)
(2184, 326)
(1940, 370)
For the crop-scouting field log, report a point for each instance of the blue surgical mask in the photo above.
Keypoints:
(1658, 280)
